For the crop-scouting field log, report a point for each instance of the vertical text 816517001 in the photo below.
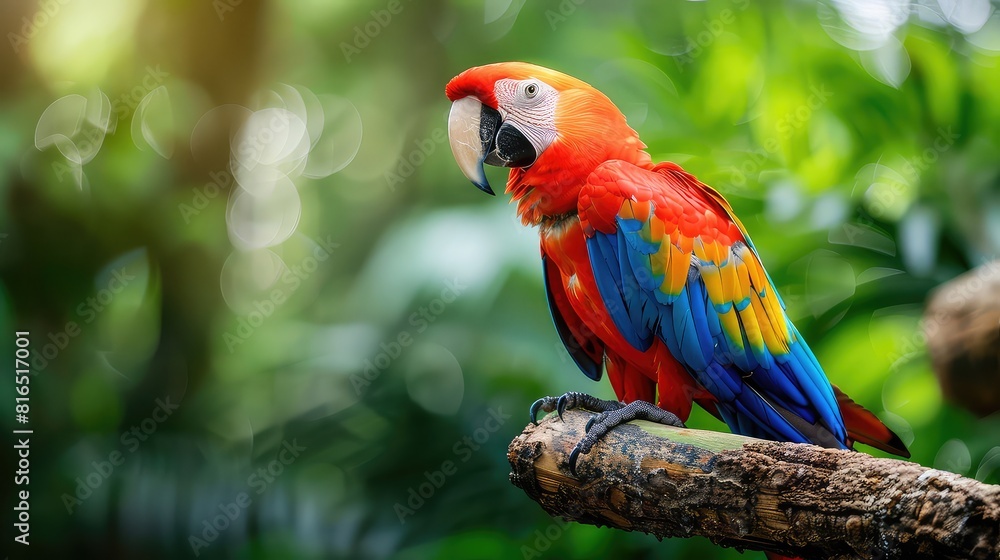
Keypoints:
(22, 437)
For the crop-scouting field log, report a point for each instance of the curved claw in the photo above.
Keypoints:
(561, 405)
(573, 456)
(590, 424)
(533, 410)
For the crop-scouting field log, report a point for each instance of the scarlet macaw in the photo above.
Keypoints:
(648, 272)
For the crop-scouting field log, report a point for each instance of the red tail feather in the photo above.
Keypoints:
(865, 427)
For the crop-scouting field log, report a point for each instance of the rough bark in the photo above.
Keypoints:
(793, 499)
(962, 326)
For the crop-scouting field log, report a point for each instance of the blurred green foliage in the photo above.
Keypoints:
(861, 155)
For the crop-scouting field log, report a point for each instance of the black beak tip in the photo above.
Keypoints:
(485, 187)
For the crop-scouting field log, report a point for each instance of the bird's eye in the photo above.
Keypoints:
(530, 90)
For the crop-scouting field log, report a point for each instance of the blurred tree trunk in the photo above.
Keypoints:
(61, 246)
(962, 326)
(218, 47)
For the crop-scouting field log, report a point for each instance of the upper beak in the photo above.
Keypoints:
(479, 135)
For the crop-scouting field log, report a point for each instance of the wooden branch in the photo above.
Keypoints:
(794, 499)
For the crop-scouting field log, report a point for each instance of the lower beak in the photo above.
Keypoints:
(478, 135)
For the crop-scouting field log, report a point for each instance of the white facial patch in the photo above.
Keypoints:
(530, 105)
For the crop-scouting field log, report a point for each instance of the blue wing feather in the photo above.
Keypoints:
(642, 314)
(698, 297)
(603, 251)
(759, 394)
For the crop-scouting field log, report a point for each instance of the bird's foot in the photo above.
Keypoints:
(571, 400)
(610, 415)
(601, 424)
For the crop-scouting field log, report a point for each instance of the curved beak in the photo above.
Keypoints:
(478, 135)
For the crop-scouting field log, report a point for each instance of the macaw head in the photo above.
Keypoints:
(551, 129)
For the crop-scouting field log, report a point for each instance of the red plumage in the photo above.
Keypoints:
(597, 173)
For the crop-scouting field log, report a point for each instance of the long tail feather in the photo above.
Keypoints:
(865, 427)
